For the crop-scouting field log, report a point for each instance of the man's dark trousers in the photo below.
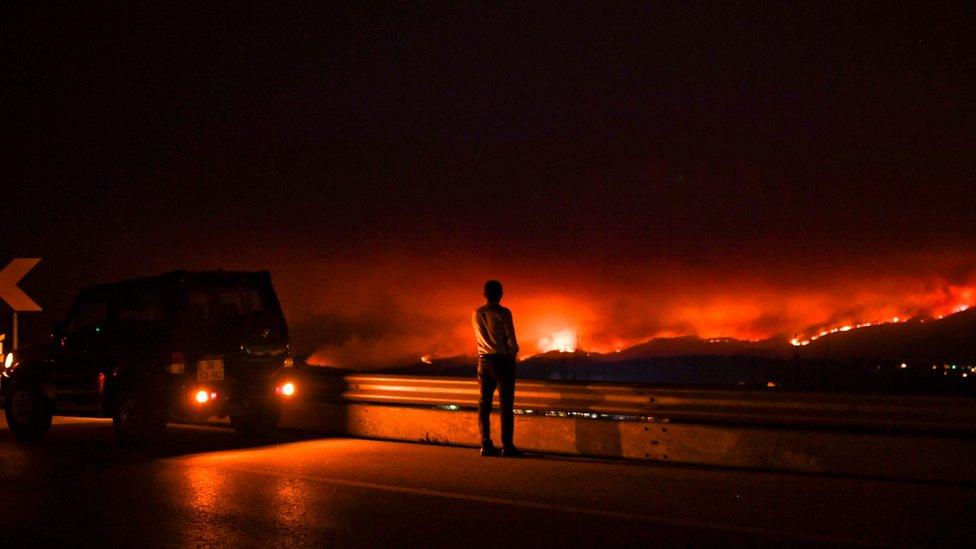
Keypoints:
(497, 371)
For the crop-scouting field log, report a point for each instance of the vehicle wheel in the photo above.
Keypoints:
(137, 421)
(28, 414)
(258, 420)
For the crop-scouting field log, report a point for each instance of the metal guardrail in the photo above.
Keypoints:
(852, 411)
(881, 436)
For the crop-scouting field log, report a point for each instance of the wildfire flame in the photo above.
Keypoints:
(564, 341)
(803, 340)
(373, 323)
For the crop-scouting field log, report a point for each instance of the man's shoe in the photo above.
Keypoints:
(488, 450)
(511, 452)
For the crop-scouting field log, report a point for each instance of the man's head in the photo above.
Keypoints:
(493, 291)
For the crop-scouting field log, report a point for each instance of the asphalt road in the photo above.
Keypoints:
(204, 486)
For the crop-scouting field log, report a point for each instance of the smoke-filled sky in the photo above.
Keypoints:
(627, 172)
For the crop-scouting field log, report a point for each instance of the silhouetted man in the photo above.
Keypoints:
(497, 349)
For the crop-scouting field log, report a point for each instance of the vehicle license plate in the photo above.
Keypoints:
(211, 369)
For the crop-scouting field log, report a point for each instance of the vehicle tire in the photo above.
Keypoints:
(137, 420)
(258, 420)
(28, 414)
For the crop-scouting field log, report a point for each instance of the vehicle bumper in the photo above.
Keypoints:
(199, 401)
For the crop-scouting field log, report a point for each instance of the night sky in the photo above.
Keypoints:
(627, 172)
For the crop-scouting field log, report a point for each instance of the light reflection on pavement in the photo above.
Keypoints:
(204, 486)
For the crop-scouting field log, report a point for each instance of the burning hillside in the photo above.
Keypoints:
(375, 314)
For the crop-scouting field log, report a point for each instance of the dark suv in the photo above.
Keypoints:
(183, 345)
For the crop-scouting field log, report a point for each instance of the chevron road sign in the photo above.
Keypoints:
(10, 276)
(14, 296)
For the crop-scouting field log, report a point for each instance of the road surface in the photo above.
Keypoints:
(204, 486)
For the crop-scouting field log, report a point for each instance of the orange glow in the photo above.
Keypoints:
(563, 341)
(288, 389)
(202, 396)
(393, 311)
(426, 359)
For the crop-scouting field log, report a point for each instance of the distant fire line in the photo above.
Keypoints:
(804, 340)
(567, 340)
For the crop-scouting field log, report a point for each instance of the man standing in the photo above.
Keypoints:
(497, 349)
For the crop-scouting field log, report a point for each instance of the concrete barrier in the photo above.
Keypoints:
(836, 434)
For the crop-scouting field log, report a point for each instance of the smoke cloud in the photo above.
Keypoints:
(370, 312)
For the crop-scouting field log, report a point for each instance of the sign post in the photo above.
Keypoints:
(14, 296)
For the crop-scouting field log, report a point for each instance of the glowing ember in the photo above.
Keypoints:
(563, 341)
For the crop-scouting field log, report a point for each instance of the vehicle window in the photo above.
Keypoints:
(140, 306)
(224, 302)
(88, 312)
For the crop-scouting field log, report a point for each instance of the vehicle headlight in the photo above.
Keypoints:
(9, 361)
